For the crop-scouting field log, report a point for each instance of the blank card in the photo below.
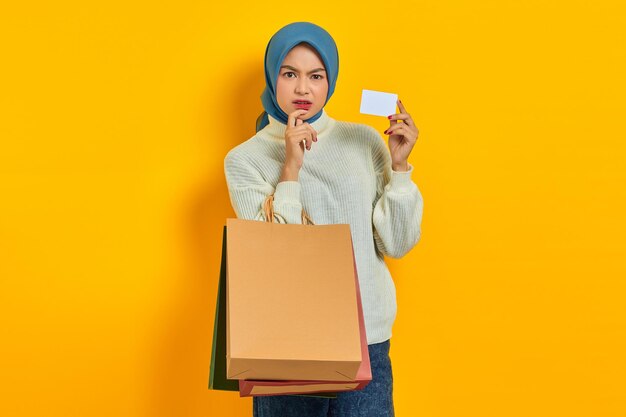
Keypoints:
(378, 103)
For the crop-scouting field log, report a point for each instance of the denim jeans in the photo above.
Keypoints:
(375, 400)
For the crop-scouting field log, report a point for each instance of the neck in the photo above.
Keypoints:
(276, 128)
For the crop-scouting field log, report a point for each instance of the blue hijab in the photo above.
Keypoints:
(278, 47)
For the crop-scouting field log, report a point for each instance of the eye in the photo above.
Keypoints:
(287, 73)
(317, 75)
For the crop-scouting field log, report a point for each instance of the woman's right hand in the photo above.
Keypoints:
(298, 135)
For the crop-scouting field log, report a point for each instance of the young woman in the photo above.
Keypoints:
(339, 172)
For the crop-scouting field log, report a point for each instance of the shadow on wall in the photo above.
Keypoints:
(181, 372)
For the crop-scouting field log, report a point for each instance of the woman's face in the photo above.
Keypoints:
(302, 82)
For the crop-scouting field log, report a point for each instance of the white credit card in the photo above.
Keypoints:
(378, 103)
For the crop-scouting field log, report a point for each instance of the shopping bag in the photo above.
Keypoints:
(364, 375)
(217, 371)
(291, 306)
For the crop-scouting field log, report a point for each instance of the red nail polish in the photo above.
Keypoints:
(388, 117)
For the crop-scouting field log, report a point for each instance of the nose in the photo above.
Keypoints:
(302, 86)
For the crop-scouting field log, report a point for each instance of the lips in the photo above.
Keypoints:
(302, 104)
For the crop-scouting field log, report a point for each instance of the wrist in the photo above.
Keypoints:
(400, 166)
(289, 173)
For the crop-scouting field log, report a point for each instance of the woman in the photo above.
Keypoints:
(339, 172)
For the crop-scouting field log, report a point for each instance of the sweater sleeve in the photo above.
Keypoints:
(398, 207)
(248, 190)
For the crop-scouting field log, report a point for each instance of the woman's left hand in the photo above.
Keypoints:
(402, 138)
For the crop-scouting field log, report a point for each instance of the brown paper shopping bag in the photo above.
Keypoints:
(364, 376)
(291, 301)
(217, 370)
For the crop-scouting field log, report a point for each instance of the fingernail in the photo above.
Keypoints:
(389, 117)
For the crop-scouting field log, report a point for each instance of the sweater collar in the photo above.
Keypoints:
(276, 129)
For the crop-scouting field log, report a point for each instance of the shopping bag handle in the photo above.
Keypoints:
(268, 209)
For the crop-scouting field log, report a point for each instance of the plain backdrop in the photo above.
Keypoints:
(115, 118)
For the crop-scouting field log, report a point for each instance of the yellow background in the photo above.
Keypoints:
(114, 121)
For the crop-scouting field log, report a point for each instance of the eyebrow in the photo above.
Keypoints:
(293, 69)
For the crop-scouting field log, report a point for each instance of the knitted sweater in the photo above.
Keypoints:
(346, 177)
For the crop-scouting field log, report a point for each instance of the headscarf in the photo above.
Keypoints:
(278, 47)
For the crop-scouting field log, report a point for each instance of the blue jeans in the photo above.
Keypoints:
(375, 400)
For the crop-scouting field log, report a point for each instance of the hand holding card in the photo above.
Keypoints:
(402, 136)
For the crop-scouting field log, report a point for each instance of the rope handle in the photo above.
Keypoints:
(268, 209)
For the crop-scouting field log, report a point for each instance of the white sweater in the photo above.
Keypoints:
(346, 177)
